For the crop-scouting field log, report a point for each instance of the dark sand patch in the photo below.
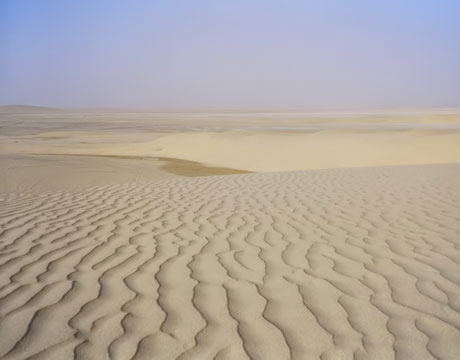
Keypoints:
(193, 168)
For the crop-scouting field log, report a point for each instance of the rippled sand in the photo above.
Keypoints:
(330, 264)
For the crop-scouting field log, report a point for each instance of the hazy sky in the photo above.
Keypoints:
(230, 54)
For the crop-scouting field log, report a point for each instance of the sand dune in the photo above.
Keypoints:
(116, 255)
(330, 264)
(256, 151)
(254, 142)
(27, 109)
(288, 151)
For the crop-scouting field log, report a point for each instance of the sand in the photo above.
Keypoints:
(252, 142)
(25, 173)
(110, 250)
(332, 264)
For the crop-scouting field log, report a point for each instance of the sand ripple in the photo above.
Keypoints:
(333, 264)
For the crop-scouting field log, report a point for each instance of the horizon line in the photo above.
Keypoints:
(215, 109)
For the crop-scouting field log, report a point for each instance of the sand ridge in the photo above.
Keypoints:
(330, 264)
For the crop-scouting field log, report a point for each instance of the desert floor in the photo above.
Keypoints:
(227, 236)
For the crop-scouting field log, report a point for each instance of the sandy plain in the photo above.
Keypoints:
(113, 245)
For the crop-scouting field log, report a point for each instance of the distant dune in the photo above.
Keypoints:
(27, 109)
(289, 114)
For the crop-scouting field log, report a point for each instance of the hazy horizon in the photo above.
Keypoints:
(240, 55)
(210, 109)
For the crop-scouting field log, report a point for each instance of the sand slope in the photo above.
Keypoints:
(256, 151)
(290, 151)
(332, 264)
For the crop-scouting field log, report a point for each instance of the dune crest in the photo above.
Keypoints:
(332, 264)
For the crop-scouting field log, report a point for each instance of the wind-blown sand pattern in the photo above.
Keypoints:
(325, 264)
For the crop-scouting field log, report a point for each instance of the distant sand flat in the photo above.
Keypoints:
(324, 264)
(240, 142)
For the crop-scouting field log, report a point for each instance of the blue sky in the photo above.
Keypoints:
(230, 54)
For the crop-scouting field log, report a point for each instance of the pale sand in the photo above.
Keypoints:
(330, 264)
(254, 142)
(117, 255)
(260, 151)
